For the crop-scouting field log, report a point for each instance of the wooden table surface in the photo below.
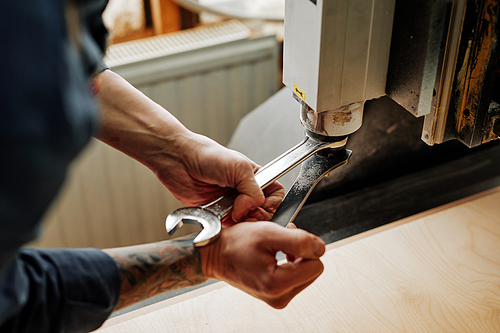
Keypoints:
(438, 271)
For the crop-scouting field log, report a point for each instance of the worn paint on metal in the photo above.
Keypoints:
(473, 71)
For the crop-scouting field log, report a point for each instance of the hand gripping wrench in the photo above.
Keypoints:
(320, 158)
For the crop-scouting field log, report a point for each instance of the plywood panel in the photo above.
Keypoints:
(438, 272)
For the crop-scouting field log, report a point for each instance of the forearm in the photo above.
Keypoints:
(151, 269)
(135, 125)
(193, 167)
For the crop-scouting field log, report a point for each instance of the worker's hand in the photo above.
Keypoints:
(274, 194)
(245, 257)
(208, 169)
(194, 168)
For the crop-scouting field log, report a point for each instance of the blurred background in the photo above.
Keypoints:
(217, 66)
(209, 63)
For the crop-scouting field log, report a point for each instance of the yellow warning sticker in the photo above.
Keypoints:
(299, 92)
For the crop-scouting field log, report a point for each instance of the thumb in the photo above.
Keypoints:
(296, 242)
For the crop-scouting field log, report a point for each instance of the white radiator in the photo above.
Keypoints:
(209, 78)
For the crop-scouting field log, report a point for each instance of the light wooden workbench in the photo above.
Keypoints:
(438, 271)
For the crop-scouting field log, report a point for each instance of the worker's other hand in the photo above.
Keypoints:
(245, 257)
(206, 171)
(194, 168)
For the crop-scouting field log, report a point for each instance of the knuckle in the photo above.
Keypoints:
(244, 165)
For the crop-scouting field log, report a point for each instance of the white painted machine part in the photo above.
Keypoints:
(336, 54)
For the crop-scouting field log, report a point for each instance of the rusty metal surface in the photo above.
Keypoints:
(496, 127)
(435, 121)
(470, 118)
(461, 39)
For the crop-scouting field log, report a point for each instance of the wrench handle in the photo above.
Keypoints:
(223, 205)
(289, 160)
(273, 171)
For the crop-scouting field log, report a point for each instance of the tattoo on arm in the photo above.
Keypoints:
(150, 269)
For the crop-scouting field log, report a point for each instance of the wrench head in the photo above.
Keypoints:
(190, 215)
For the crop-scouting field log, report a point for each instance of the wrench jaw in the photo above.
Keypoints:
(195, 215)
(210, 215)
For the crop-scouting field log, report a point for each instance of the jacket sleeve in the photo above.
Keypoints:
(58, 290)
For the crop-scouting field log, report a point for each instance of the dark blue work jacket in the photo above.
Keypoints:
(47, 115)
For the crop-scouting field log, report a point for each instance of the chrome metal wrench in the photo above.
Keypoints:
(211, 215)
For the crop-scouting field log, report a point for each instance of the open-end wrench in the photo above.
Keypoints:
(211, 215)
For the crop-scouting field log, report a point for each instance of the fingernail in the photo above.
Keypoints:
(319, 247)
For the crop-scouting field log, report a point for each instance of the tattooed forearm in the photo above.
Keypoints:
(150, 269)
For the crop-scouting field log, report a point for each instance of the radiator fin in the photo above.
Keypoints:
(176, 42)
